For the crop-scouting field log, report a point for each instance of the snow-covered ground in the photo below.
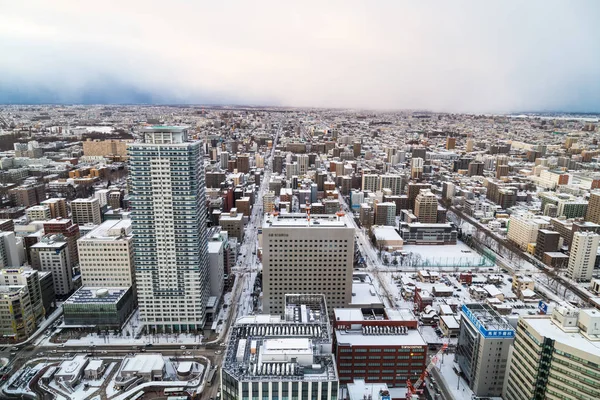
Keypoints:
(447, 256)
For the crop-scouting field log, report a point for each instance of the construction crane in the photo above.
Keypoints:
(414, 391)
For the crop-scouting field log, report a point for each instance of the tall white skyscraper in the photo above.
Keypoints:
(169, 225)
(582, 255)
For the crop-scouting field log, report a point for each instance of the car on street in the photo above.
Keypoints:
(218, 352)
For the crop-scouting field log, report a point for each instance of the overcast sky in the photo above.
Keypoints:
(471, 56)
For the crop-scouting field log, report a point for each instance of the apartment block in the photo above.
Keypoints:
(86, 211)
(426, 207)
(582, 255)
(523, 228)
(168, 200)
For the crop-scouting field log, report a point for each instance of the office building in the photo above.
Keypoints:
(370, 182)
(426, 207)
(11, 250)
(450, 143)
(307, 255)
(483, 344)
(69, 232)
(216, 264)
(523, 228)
(29, 278)
(593, 210)
(101, 307)
(385, 214)
(233, 223)
(52, 254)
(547, 241)
(282, 356)
(392, 182)
(269, 202)
(86, 211)
(18, 320)
(378, 345)
(38, 213)
(428, 234)
(582, 255)
(416, 168)
(555, 357)
(58, 207)
(169, 225)
(106, 255)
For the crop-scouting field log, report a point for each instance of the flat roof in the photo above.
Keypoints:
(357, 338)
(108, 229)
(97, 295)
(302, 220)
(546, 328)
(386, 233)
(450, 321)
(164, 128)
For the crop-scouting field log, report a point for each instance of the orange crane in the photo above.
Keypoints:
(414, 391)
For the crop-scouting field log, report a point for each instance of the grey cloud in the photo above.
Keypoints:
(450, 56)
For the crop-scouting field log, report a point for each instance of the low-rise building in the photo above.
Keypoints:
(282, 356)
(427, 234)
(105, 308)
(380, 345)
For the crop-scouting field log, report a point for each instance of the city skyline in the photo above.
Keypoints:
(467, 57)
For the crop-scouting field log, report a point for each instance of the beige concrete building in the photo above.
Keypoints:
(269, 202)
(521, 283)
(58, 207)
(307, 256)
(555, 357)
(387, 238)
(593, 210)
(17, 318)
(38, 213)
(392, 182)
(86, 211)
(51, 255)
(101, 148)
(523, 228)
(106, 255)
(582, 255)
(233, 223)
(426, 206)
(370, 182)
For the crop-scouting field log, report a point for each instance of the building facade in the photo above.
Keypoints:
(555, 357)
(482, 351)
(582, 255)
(86, 211)
(282, 357)
(169, 225)
(307, 255)
(106, 255)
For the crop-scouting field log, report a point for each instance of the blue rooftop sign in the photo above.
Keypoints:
(499, 334)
